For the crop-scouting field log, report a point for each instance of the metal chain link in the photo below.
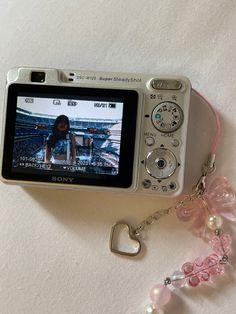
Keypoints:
(161, 213)
(151, 219)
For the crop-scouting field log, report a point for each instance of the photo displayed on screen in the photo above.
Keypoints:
(67, 135)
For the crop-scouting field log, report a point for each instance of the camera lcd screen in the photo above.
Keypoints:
(69, 135)
(83, 134)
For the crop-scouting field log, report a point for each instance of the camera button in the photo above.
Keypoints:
(149, 141)
(164, 188)
(175, 142)
(160, 163)
(173, 186)
(167, 116)
(162, 84)
(146, 184)
(155, 187)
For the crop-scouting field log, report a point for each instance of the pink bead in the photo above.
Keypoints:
(160, 295)
(204, 276)
(196, 212)
(185, 212)
(189, 211)
(226, 242)
(211, 260)
(217, 270)
(221, 244)
(213, 266)
(187, 268)
(194, 281)
(198, 264)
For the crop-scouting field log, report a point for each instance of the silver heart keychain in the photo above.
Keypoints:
(124, 240)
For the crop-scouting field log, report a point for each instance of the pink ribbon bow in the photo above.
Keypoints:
(219, 198)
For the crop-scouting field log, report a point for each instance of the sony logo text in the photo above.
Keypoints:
(63, 179)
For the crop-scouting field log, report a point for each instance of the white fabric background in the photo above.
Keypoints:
(54, 255)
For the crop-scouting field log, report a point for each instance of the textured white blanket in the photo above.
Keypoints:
(54, 256)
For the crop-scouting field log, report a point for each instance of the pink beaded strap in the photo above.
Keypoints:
(206, 211)
(192, 274)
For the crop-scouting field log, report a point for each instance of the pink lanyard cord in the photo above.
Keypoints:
(217, 134)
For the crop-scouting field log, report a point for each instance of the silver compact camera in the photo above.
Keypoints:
(95, 130)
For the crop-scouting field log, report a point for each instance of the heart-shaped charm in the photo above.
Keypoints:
(122, 241)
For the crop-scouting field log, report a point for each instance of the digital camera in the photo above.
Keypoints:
(96, 130)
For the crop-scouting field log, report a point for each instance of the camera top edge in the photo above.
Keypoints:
(52, 76)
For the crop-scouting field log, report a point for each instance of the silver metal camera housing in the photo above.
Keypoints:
(161, 132)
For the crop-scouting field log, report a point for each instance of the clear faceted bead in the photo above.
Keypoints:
(178, 279)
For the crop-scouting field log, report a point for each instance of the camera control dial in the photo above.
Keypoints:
(167, 117)
(160, 163)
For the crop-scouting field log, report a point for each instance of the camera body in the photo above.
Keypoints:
(96, 130)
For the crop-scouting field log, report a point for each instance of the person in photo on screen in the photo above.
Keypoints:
(61, 145)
